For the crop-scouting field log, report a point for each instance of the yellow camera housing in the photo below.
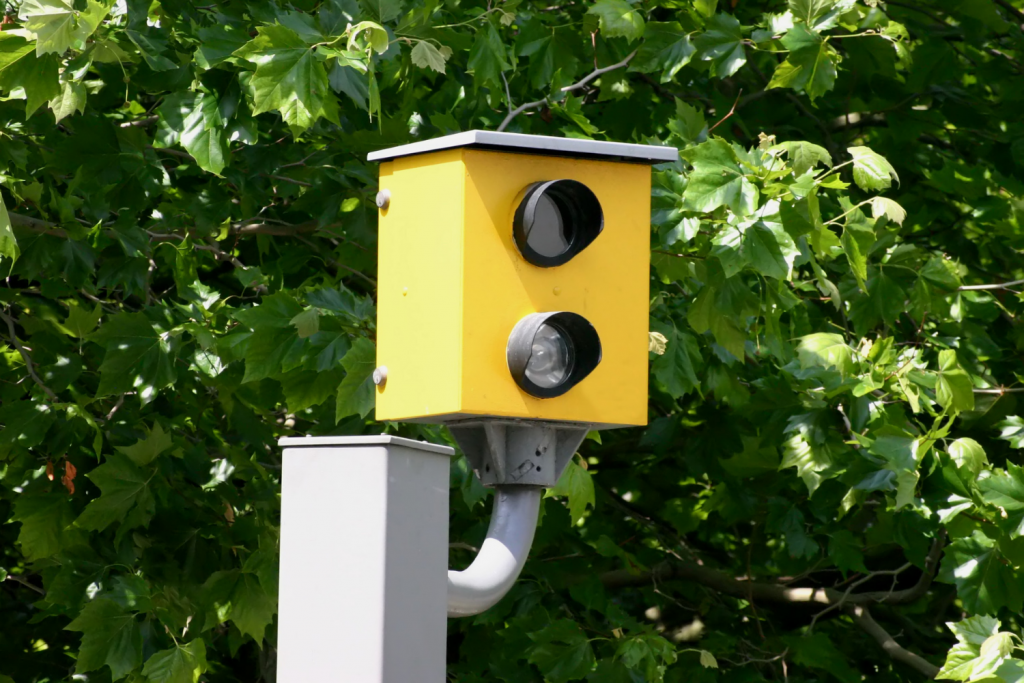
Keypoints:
(452, 283)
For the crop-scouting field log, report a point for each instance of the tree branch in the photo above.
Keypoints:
(1005, 4)
(998, 285)
(854, 603)
(567, 89)
(29, 366)
(862, 617)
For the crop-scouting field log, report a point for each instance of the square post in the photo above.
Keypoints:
(364, 560)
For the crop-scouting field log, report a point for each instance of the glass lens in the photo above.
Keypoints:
(546, 234)
(551, 358)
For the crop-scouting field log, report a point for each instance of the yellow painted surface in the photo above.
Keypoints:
(448, 237)
(419, 286)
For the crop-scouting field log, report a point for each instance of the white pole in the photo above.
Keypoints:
(364, 560)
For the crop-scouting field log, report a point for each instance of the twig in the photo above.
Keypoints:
(287, 179)
(567, 89)
(998, 285)
(463, 546)
(117, 407)
(26, 584)
(172, 152)
(29, 366)
(855, 584)
(731, 112)
(1000, 391)
(140, 123)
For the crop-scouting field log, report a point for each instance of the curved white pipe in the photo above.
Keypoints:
(502, 556)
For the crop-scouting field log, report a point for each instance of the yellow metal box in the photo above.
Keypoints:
(452, 282)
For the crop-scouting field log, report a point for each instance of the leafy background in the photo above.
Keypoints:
(829, 475)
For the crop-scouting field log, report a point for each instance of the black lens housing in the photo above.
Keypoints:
(586, 345)
(579, 209)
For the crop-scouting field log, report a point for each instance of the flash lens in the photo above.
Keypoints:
(556, 220)
(546, 231)
(550, 358)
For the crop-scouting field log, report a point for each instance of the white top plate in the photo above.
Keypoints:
(537, 144)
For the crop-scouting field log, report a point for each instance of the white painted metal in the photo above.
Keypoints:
(543, 144)
(502, 555)
(364, 552)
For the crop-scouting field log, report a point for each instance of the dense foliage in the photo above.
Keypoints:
(829, 475)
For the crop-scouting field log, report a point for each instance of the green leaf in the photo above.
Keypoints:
(275, 311)
(968, 454)
(884, 302)
(179, 664)
(252, 610)
(426, 56)
(817, 651)
(1012, 430)
(145, 450)
(33, 79)
(805, 450)
(942, 273)
(809, 11)
(25, 423)
(71, 99)
(882, 206)
(827, 350)
(488, 59)
(203, 135)
(110, 637)
(561, 651)
(984, 583)
(761, 248)
(845, 551)
(288, 79)
(980, 651)
(666, 49)
(137, 358)
(810, 67)
(722, 45)
(618, 19)
(551, 52)
(802, 216)
(57, 25)
(705, 314)
(307, 323)
(357, 395)
(152, 46)
(675, 368)
(1005, 490)
(689, 124)
(43, 517)
(954, 390)
(804, 156)
(8, 242)
(306, 388)
(717, 179)
(80, 321)
(125, 496)
(576, 485)
(871, 171)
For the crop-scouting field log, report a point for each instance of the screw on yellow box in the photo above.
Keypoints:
(474, 239)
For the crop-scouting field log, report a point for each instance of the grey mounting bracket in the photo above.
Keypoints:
(508, 452)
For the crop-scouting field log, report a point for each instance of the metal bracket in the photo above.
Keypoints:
(518, 452)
